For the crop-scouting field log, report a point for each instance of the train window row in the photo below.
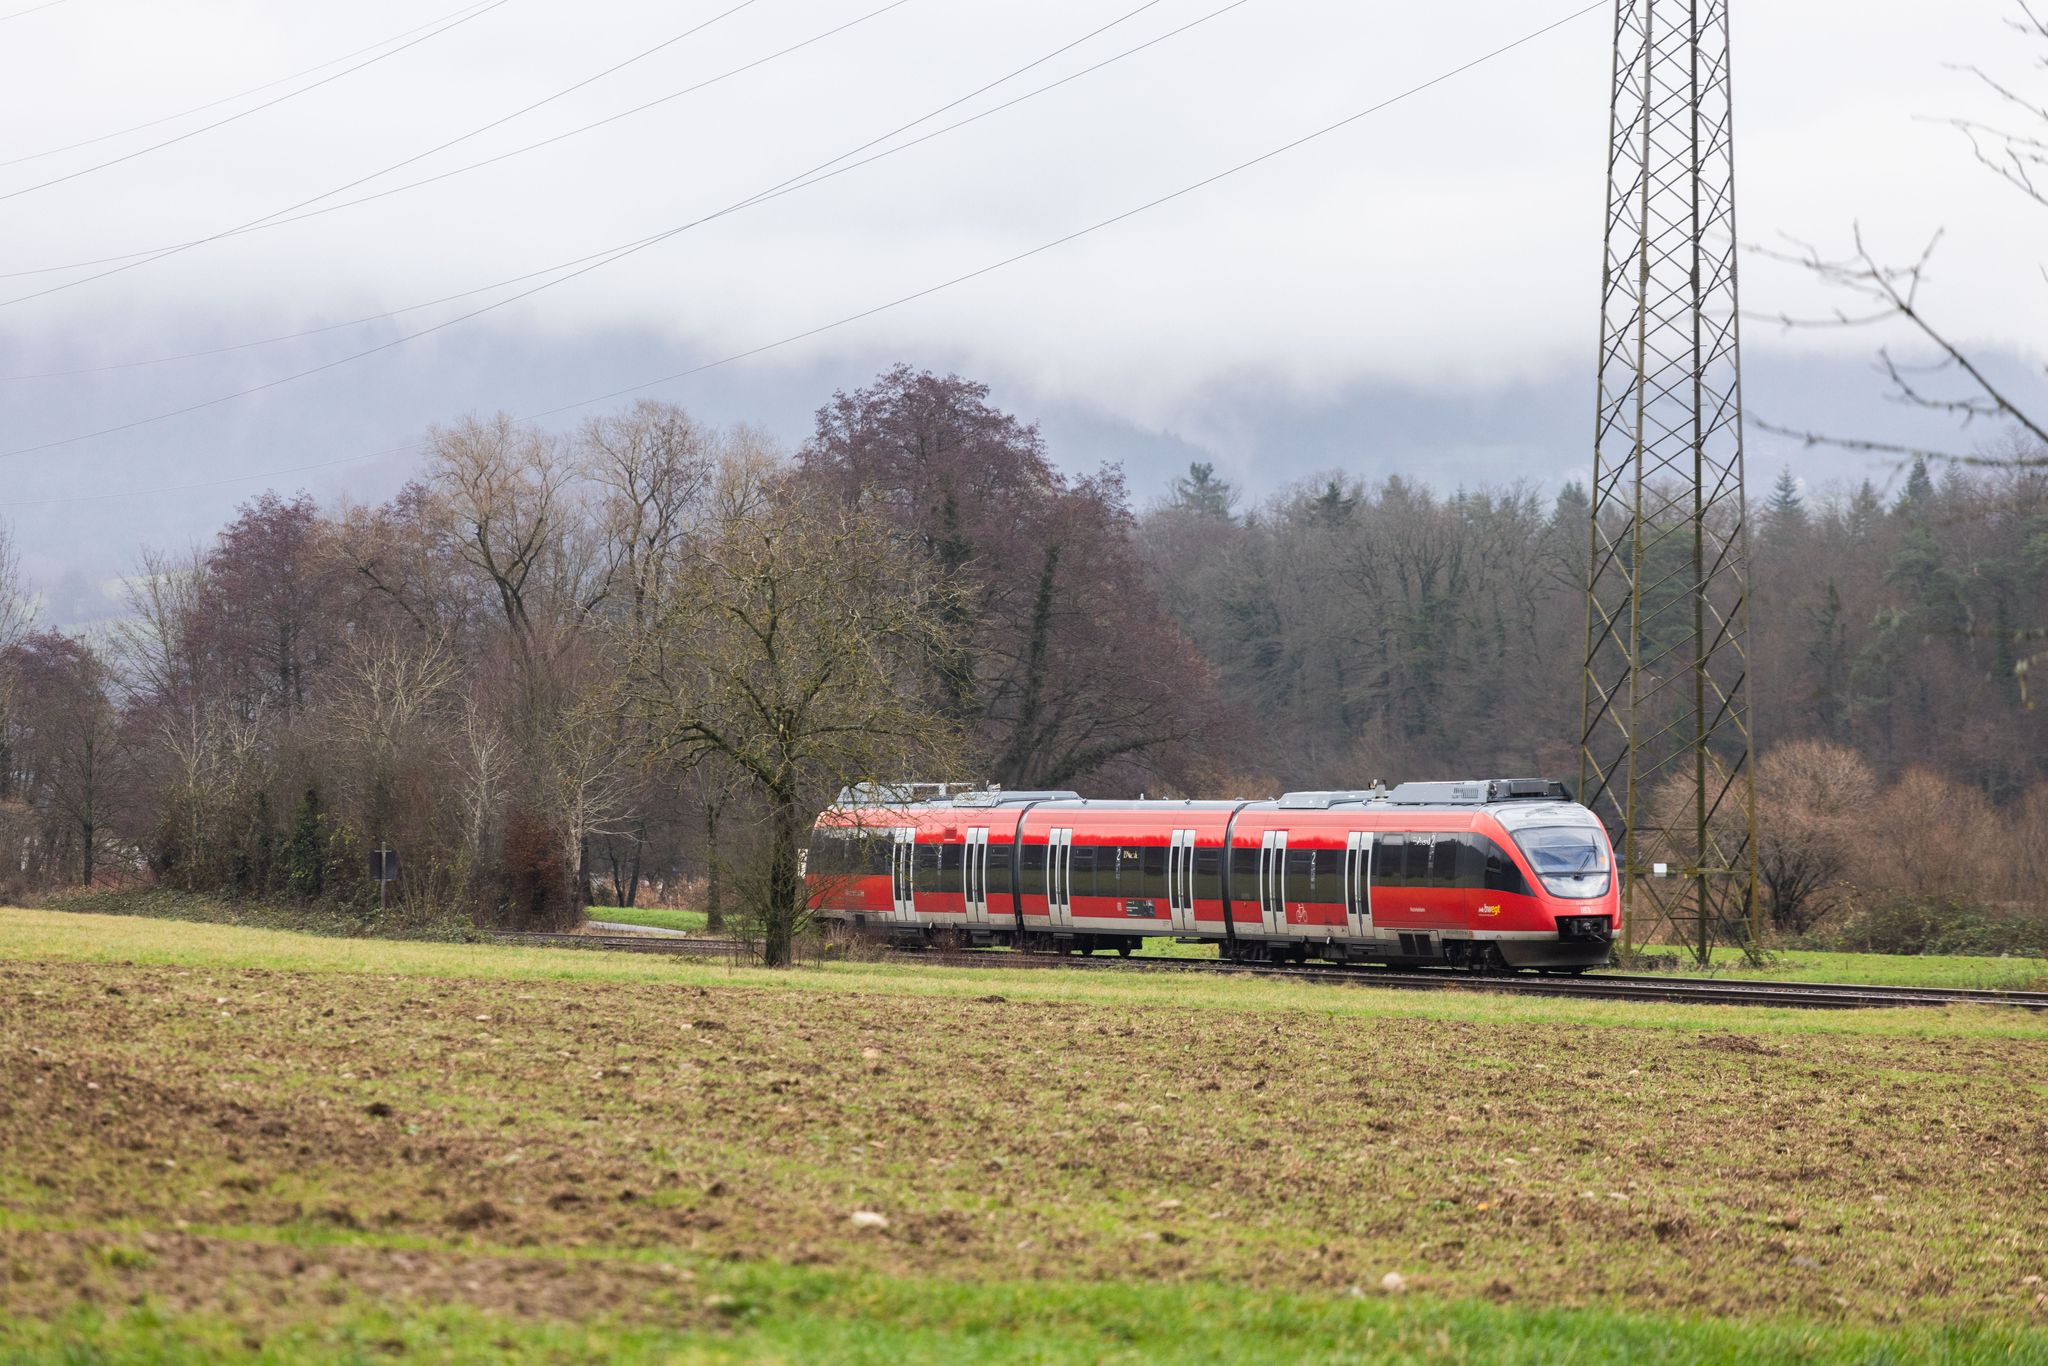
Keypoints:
(849, 852)
(1420, 860)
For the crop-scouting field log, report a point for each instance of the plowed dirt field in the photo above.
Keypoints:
(260, 1146)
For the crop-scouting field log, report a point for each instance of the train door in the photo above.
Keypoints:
(1358, 882)
(974, 874)
(1180, 881)
(901, 855)
(1059, 878)
(1273, 881)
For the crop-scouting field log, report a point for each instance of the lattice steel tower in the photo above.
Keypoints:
(1664, 753)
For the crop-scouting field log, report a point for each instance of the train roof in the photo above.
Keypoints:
(1489, 793)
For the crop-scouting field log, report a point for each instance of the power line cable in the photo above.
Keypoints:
(239, 94)
(619, 254)
(255, 109)
(802, 180)
(276, 218)
(976, 274)
(32, 9)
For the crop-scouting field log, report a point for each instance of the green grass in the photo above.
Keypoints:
(65, 936)
(766, 1312)
(1872, 969)
(655, 917)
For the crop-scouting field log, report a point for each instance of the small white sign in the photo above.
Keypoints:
(1660, 870)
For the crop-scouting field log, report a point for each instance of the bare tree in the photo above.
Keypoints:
(788, 652)
(652, 466)
(71, 756)
(1815, 799)
(17, 617)
(1954, 382)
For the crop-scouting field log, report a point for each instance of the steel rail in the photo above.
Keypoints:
(1605, 987)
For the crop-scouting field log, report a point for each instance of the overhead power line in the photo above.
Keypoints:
(32, 9)
(229, 99)
(277, 218)
(256, 109)
(803, 180)
(957, 280)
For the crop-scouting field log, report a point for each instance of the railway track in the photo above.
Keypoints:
(1604, 986)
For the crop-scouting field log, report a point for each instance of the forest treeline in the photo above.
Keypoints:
(628, 662)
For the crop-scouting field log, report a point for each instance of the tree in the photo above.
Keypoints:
(69, 757)
(1785, 512)
(1201, 493)
(17, 617)
(265, 623)
(1944, 375)
(1814, 800)
(789, 652)
(1054, 659)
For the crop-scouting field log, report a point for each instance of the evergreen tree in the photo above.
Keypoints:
(303, 864)
(1918, 496)
(1333, 505)
(1201, 492)
(1785, 513)
(1864, 511)
(1828, 649)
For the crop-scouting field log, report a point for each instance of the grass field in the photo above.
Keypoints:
(657, 917)
(218, 1141)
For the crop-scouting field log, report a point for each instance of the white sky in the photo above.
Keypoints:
(1449, 244)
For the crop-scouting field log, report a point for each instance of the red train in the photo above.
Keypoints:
(1507, 873)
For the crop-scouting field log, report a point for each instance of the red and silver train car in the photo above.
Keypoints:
(1501, 873)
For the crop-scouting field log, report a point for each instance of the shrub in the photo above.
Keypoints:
(1938, 925)
(534, 881)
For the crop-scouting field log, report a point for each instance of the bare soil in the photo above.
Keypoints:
(250, 1140)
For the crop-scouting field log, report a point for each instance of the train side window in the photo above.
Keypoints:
(1031, 870)
(1501, 873)
(1153, 861)
(952, 875)
(1416, 874)
(1471, 861)
(1086, 859)
(1329, 875)
(1301, 876)
(1244, 872)
(998, 869)
(877, 846)
(1389, 864)
(1130, 879)
(1208, 874)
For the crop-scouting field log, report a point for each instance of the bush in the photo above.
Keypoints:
(165, 903)
(535, 891)
(1937, 925)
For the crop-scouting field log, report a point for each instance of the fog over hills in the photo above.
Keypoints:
(1413, 295)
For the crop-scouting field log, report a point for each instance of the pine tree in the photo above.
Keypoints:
(1334, 504)
(1201, 492)
(1918, 496)
(1785, 513)
(1864, 511)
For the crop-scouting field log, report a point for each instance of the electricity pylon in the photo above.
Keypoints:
(1664, 753)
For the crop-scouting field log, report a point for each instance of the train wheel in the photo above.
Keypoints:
(1123, 950)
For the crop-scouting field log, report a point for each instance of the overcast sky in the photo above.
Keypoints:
(1415, 293)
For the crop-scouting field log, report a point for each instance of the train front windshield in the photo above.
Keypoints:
(1571, 859)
